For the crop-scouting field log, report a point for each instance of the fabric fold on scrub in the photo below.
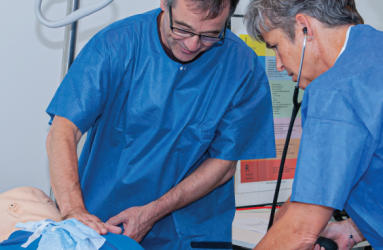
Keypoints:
(67, 234)
(113, 242)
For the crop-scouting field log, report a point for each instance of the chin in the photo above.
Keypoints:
(184, 57)
(303, 84)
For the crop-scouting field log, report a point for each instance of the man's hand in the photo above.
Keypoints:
(93, 222)
(136, 221)
(340, 233)
(212, 173)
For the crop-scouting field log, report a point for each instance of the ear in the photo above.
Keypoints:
(163, 5)
(305, 21)
(15, 210)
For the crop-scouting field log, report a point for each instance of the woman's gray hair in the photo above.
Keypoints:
(266, 15)
(213, 7)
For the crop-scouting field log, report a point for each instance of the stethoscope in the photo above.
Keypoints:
(323, 242)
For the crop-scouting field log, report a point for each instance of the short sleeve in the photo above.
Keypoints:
(246, 131)
(82, 95)
(333, 156)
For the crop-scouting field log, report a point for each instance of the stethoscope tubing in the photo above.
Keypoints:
(296, 108)
(323, 242)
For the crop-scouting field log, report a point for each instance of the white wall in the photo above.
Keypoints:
(30, 61)
(371, 11)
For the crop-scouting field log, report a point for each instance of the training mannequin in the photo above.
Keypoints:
(22, 205)
(25, 204)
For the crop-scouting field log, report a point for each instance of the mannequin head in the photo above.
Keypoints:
(24, 204)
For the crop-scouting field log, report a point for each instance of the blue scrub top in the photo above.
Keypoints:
(113, 242)
(340, 161)
(152, 121)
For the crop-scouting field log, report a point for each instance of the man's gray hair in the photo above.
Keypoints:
(213, 8)
(266, 15)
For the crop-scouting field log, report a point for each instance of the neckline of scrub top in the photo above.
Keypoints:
(168, 51)
(345, 42)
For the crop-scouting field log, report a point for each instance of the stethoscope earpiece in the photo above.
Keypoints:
(305, 32)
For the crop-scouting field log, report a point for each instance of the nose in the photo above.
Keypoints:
(193, 43)
(279, 64)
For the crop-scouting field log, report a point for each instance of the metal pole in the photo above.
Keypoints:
(68, 50)
(69, 40)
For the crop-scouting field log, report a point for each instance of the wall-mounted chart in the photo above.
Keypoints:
(282, 89)
(255, 179)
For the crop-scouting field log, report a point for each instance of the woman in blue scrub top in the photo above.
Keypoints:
(170, 100)
(340, 161)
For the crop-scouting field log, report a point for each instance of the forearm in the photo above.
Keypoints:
(340, 231)
(282, 210)
(356, 233)
(285, 237)
(298, 228)
(61, 148)
(211, 174)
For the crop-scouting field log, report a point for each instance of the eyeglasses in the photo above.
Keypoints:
(187, 34)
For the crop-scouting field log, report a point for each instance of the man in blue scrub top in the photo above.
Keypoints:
(340, 160)
(170, 100)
